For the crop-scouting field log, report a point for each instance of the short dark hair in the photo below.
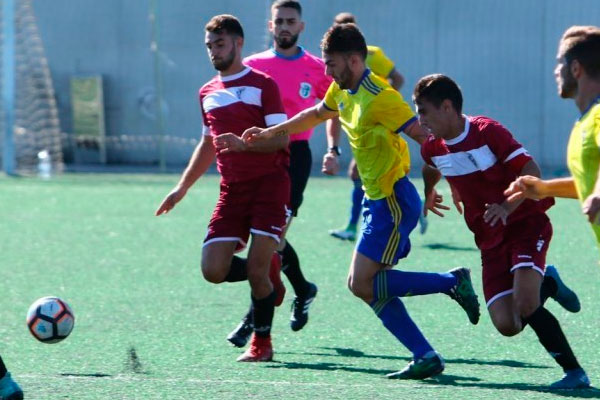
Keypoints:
(225, 23)
(344, 18)
(582, 43)
(344, 38)
(288, 4)
(436, 88)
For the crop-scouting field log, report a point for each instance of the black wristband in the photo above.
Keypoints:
(336, 150)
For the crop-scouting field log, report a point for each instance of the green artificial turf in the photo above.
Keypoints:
(149, 327)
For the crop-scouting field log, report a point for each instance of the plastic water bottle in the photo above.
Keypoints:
(44, 164)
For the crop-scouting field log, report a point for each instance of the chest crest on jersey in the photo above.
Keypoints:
(473, 161)
(305, 89)
(239, 92)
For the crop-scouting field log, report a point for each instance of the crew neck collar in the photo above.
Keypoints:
(234, 76)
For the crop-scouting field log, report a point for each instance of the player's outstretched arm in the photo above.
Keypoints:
(203, 156)
(301, 122)
(532, 187)
(500, 212)
(230, 142)
(271, 145)
(433, 200)
(416, 132)
(525, 187)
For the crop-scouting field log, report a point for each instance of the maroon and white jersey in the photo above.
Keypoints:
(480, 164)
(234, 103)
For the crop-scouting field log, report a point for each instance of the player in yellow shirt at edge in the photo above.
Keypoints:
(577, 76)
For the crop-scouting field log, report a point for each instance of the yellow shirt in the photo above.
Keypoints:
(378, 62)
(373, 116)
(583, 154)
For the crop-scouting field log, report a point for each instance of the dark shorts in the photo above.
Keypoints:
(299, 170)
(258, 206)
(525, 245)
(387, 224)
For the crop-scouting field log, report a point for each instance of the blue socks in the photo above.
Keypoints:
(395, 318)
(388, 285)
(392, 283)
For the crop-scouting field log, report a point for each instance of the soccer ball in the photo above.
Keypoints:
(50, 319)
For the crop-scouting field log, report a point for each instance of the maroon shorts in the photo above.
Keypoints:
(258, 206)
(524, 246)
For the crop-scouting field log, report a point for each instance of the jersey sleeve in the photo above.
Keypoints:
(379, 63)
(390, 110)
(271, 103)
(329, 99)
(205, 127)
(505, 147)
(323, 81)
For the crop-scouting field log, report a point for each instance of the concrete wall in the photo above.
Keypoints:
(501, 53)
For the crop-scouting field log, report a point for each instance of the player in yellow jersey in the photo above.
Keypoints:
(382, 66)
(578, 77)
(373, 114)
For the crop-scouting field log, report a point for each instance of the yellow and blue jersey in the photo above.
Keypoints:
(372, 116)
(583, 154)
(378, 62)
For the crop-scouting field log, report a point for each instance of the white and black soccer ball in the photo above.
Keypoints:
(50, 319)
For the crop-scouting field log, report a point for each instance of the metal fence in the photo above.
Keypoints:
(502, 53)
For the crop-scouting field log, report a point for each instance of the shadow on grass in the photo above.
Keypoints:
(97, 375)
(342, 352)
(325, 366)
(443, 246)
(444, 380)
(461, 381)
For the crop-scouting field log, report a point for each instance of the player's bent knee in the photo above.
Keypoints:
(507, 328)
(212, 272)
(212, 276)
(360, 290)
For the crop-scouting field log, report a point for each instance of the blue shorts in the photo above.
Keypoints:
(387, 223)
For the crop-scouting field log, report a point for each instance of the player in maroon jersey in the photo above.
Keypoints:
(480, 158)
(255, 185)
(301, 78)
